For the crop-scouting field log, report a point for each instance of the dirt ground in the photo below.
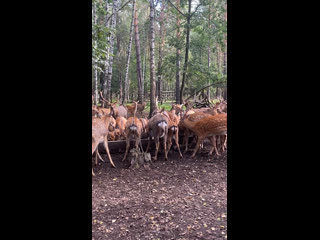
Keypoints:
(176, 199)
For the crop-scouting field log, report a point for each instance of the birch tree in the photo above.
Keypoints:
(152, 61)
(138, 56)
(126, 82)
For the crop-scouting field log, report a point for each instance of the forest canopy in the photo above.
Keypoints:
(166, 48)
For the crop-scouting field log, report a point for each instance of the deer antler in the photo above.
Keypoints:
(103, 98)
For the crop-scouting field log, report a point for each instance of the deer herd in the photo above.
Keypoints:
(111, 123)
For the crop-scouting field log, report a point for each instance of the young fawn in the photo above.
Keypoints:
(100, 130)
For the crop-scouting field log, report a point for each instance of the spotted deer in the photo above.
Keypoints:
(192, 117)
(209, 126)
(158, 128)
(173, 127)
(100, 130)
(133, 130)
(120, 128)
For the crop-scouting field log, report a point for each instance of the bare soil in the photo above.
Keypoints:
(175, 199)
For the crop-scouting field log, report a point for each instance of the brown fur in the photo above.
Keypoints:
(120, 127)
(131, 108)
(100, 130)
(120, 111)
(173, 129)
(140, 107)
(193, 117)
(207, 127)
(155, 131)
(133, 130)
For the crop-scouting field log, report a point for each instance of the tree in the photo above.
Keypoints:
(178, 58)
(108, 74)
(152, 61)
(126, 83)
(137, 43)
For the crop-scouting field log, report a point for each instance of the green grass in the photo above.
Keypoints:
(167, 106)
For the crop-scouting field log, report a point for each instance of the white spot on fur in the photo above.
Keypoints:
(133, 128)
(162, 124)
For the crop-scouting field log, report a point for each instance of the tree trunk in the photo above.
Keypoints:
(112, 36)
(95, 73)
(161, 45)
(225, 47)
(178, 57)
(106, 65)
(218, 57)
(185, 67)
(152, 62)
(137, 42)
(126, 82)
(209, 52)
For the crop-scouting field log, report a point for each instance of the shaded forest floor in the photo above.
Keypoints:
(175, 199)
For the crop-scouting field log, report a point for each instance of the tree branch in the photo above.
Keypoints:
(177, 8)
(217, 83)
(118, 10)
(195, 10)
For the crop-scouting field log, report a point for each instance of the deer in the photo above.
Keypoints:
(104, 102)
(95, 112)
(209, 126)
(193, 117)
(140, 107)
(100, 130)
(145, 129)
(131, 108)
(173, 127)
(120, 128)
(120, 111)
(158, 128)
(133, 130)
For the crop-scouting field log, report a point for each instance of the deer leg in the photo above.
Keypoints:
(140, 144)
(127, 147)
(218, 141)
(98, 154)
(157, 149)
(186, 140)
(107, 149)
(200, 139)
(165, 147)
(94, 147)
(176, 138)
(212, 140)
(215, 147)
(96, 158)
(148, 144)
(169, 141)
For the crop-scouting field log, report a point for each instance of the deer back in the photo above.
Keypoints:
(133, 125)
(158, 123)
(210, 125)
(120, 111)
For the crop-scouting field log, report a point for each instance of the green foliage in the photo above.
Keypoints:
(204, 35)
